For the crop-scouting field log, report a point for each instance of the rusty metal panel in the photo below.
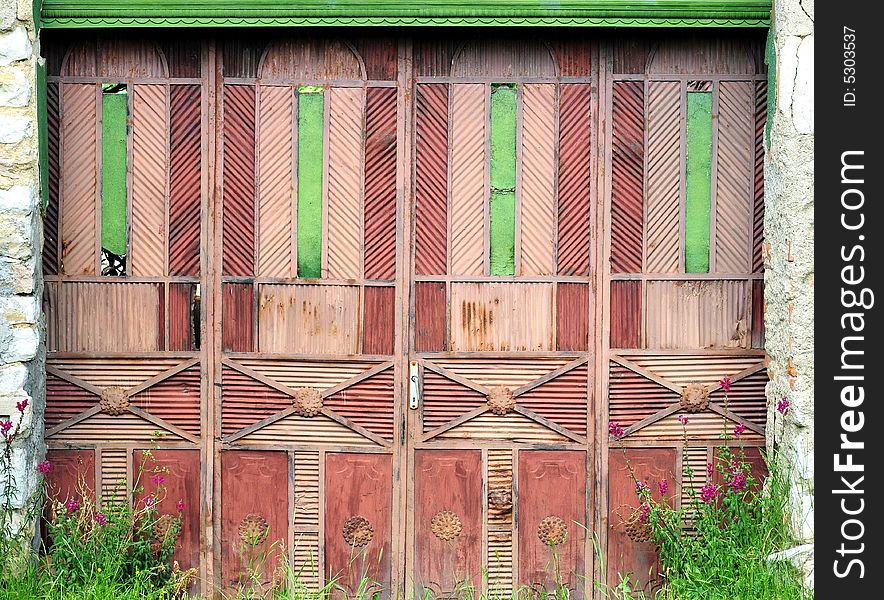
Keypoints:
(115, 58)
(277, 192)
(626, 314)
(445, 400)
(237, 310)
(448, 494)
(344, 190)
(574, 179)
(380, 56)
(758, 204)
(697, 314)
(433, 54)
(552, 488)
(368, 403)
(126, 426)
(512, 427)
(747, 397)
(50, 218)
(321, 373)
(253, 488)
(379, 320)
(664, 177)
(469, 114)
(73, 471)
(150, 159)
(759, 306)
(185, 173)
(627, 176)
(307, 431)
(632, 397)
(79, 178)
(238, 220)
(380, 183)
(501, 316)
(362, 485)
(537, 201)
(65, 400)
(181, 318)
(431, 179)
(572, 316)
(574, 57)
(308, 319)
(430, 324)
(507, 59)
(631, 54)
(735, 176)
(728, 55)
(103, 372)
(309, 59)
(175, 400)
(128, 313)
(245, 401)
(562, 400)
(683, 369)
(511, 372)
(701, 426)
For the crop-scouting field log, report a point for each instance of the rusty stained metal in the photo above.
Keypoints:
(627, 176)
(115, 59)
(633, 397)
(575, 124)
(431, 179)
(185, 174)
(507, 59)
(309, 60)
(381, 113)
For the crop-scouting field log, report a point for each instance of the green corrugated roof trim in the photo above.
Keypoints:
(263, 13)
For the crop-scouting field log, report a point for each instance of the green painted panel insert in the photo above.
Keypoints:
(503, 180)
(311, 133)
(114, 115)
(698, 203)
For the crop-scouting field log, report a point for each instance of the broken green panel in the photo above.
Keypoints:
(114, 151)
(503, 180)
(311, 133)
(698, 177)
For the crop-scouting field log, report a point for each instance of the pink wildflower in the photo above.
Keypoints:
(709, 492)
(5, 426)
(642, 487)
(710, 469)
(739, 428)
(663, 487)
(644, 512)
(72, 506)
(21, 406)
(149, 502)
(615, 430)
(158, 479)
(725, 383)
(180, 506)
(783, 406)
(101, 519)
(683, 419)
(44, 467)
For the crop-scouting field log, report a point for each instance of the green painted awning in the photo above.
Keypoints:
(264, 13)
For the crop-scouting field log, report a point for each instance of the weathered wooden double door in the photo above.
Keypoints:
(374, 301)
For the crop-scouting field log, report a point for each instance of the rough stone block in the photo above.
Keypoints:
(14, 45)
(14, 129)
(15, 89)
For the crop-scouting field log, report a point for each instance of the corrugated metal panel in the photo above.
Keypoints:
(706, 426)
(308, 431)
(103, 426)
(431, 179)
(103, 372)
(181, 317)
(626, 314)
(368, 403)
(685, 369)
(631, 397)
(747, 398)
(631, 54)
(50, 218)
(562, 400)
(379, 320)
(114, 59)
(507, 59)
(128, 313)
(245, 401)
(277, 194)
(182, 56)
(237, 311)
(572, 316)
(512, 373)
(759, 306)
(697, 314)
(79, 178)
(537, 201)
(512, 426)
(65, 400)
(309, 59)
(664, 176)
(500, 478)
(501, 316)
(307, 555)
(627, 173)
(574, 179)
(380, 56)
(469, 113)
(185, 173)
(758, 208)
(308, 319)
(430, 323)
(114, 484)
(710, 54)
(176, 400)
(239, 180)
(500, 564)
(294, 374)
(574, 57)
(380, 183)
(307, 491)
(735, 174)
(150, 139)
(344, 190)
(445, 400)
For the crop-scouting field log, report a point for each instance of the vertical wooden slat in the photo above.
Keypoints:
(79, 178)
(380, 183)
(344, 192)
(431, 179)
(664, 177)
(276, 191)
(237, 329)
(239, 180)
(537, 201)
(572, 314)
(574, 179)
(468, 114)
(149, 181)
(758, 208)
(50, 219)
(429, 316)
(181, 322)
(627, 173)
(378, 320)
(626, 314)
(185, 173)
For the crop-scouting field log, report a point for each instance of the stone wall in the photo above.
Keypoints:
(22, 364)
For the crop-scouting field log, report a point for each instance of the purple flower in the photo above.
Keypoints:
(642, 487)
(739, 428)
(725, 383)
(615, 430)
(644, 512)
(738, 482)
(683, 419)
(663, 487)
(72, 506)
(710, 469)
(158, 479)
(21, 406)
(5, 426)
(149, 502)
(709, 492)
(783, 406)
(180, 506)
(44, 467)
(101, 519)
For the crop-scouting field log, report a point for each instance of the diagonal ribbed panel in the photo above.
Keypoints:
(562, 400)
(735, 176)
(664, 177)
(538, 200)
(574, 179)
(50, 219)
(431, 179)
(469, 109)
(758, 209)
(344, 195)
(239, 180)
(368, 403)
(633, 397)
(79, 180)
(627, 173)
(380, 183)
(150, 136)
(185, 172)
(276, 193)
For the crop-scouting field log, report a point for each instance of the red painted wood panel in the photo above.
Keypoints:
(181, 323)
(625, 556)
(238, 221)
(758, 306)
(447, 480)
(429, 316)
(572, 316)
(180, 470)
(358, 485)
(627, 173)
(431, 179)
(380, 183)
(252, 483)
(574, 179)
(380, 320)
(73, 471)
(369, 403)
(552, 483)
(185, 173)
(752, 457)
(237, 327)
(50, 218)
(626, 314)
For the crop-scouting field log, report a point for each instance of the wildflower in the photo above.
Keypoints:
(72, 506)
(709, 492)
(5, 426)
(180, 506)
(710, 469)
(615, 430)
(739, 428)
(21, 406)
(44, 467)
(101, 518)
(725, 383)
(158, 479)
(783, 406)
(642, 487)
(738, 482)
(683, 419)
(149, 502)
(663, 487)
(644, 512)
